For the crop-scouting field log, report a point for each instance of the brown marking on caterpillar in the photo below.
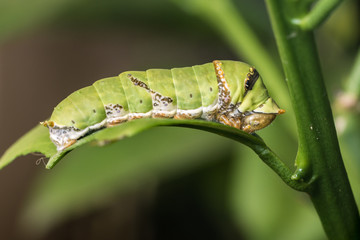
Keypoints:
(115, 122)
(230, 121)
(224, 120)
(227, 113)
(159, 99)
(235, 122)
(132, 117)
(184, 116)
(113, 110)
(160, 103)
(138, 82)
(160, 115)
(224, 91)
(69, 143)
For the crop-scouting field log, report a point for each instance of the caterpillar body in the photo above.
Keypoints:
(228, 92)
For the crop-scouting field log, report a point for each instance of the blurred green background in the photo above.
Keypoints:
(184, 183)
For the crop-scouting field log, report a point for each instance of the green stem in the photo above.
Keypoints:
(319, 160)
(318, 14)
(258, 146)
(278, 166)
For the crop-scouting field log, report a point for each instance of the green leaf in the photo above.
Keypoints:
(94, 177)
(37, 140)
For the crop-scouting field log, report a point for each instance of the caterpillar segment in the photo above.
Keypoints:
(228, 92)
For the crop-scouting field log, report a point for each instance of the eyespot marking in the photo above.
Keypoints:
(251, 78)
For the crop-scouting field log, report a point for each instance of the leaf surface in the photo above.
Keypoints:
(37, 140)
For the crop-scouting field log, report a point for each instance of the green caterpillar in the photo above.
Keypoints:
(228, 92)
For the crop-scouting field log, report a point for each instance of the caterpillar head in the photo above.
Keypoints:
(258, 107)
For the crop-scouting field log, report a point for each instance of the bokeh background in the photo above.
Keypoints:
(184, 183)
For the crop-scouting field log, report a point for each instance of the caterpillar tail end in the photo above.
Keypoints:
(47, 123)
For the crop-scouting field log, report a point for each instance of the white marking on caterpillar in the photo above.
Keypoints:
(61, 136)
(209, 112)
(133, 116)
(189, 114)
(115, 113)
